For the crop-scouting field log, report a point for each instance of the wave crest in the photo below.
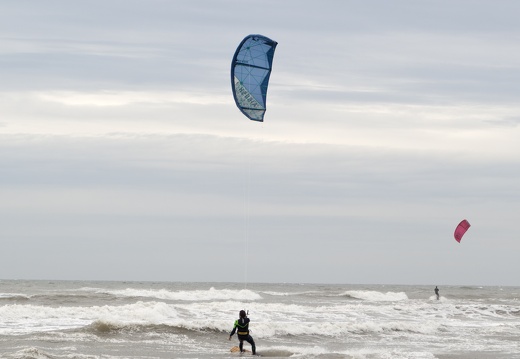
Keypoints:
(103, 327)
(185, 295)
(374, 296)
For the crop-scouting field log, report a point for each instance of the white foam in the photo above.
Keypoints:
(21, 319)
(13, 296)
(183, 295)
(217, 316)
(375, 296)
(32, 353)
(287, 294)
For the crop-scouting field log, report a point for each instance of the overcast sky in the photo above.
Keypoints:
(124, 157)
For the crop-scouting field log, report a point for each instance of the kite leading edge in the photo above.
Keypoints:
(250, 71)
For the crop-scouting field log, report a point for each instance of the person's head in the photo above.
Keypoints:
(242, 314)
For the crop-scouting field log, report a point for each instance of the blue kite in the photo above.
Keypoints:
(250, 72)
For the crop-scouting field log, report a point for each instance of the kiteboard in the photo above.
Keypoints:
(236, 349)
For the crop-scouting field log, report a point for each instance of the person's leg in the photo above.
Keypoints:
(241, 346)
(252, 342)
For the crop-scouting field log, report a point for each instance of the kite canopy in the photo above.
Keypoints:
(461, 229)
(250, 71)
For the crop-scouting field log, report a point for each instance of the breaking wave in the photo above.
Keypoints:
(374, 296)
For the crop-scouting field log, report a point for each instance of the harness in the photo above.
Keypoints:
(243, 329)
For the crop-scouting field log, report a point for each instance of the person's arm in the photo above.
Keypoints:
(234, 329)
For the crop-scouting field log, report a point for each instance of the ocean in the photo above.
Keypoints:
(91, 319)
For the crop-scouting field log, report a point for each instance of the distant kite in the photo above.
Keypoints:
(461, 229)
(250, 72)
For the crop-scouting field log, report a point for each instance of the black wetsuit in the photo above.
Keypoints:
(437, 292)
(242, 325)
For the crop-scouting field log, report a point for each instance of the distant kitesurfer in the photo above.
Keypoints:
(242, 325)
(437, 292)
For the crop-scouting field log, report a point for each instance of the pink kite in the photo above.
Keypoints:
(461, 229)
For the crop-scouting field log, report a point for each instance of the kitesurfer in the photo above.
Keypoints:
(437, 292)
(242, 325)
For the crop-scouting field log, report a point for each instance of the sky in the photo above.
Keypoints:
(124, 157)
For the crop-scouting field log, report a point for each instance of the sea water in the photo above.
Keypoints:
(81, 319)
